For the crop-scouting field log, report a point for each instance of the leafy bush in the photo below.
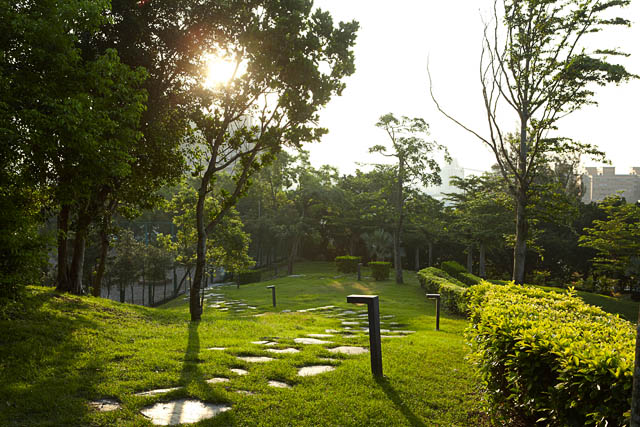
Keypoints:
(249, 276)
(469, 279)
(380, 270)
(347, 264)
(453, 268)
(549, 358)
(452, 294)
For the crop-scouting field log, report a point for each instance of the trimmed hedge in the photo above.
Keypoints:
(452, 295)
(347, 264)
(380, 270)
(453, 268)
(442, 274)
(469, 279)
(249, 276)
(548, 358)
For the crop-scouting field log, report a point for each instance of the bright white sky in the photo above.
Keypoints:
(394, 41)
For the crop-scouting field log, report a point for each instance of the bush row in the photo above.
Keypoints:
(248, 276)
(380, 270)
(452, 292)
(347, 264)
(549, 358)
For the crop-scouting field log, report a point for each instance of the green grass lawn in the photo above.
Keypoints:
(67, 351)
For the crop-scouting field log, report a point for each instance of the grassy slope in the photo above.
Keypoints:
(69, 351)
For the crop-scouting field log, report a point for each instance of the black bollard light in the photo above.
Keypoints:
(273, 293)
(375, 347)
(437, 298)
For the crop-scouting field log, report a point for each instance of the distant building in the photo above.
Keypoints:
(600, 182)
(447, 171)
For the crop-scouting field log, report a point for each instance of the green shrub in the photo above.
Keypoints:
(452, 292)
(469, 279)
(548, 358)
(347, 264)
(380, 270)
(453, 268)
(249, 276)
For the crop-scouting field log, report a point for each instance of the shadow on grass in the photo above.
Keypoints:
(399, 403)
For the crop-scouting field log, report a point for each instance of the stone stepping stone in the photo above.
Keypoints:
(332, 331)
(217, 380)
(296, 275)
(349, 350)
(320, 335)
(363, 315)
(278, 384)
(250, 307)
(256, 359)
(403, 332)
(283, 350)
(223, 309)
(393, 336)
(308, 371)
(217, 348)
(310, 341)
(239, 371)
(350, 336)
(263, 342)
(388, 316)
(245, 392)
(394, 323)
(350, 323)
(286, 311)
(182, 411)
(348, 312)
(105, 405)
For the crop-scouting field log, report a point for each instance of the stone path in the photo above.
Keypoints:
(191, 410)
(182, 411)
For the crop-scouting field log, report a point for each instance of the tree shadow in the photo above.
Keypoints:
(399, 403)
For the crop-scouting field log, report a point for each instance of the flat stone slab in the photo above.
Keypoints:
(348, 312)
(245, 392)
(403, 332)
(263, 342)
(217, 348)
(320, 335)
(217, 380)
(283, 350)
(349, 350)
(105, 405)
(349, 336)
(308, 371)
(239, 371)
(256, 359)
(332, 331)
(156, 391)
(350, 323)
(278, 384)
(309, 341)
(388, 316)
(182, 411)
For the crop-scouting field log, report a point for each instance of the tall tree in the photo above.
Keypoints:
(295, 60)
(414, 164)
(540, 68)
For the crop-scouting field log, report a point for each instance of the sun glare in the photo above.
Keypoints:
(220, 71)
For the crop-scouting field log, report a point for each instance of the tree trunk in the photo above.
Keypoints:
(63, 257)
(104, 250)
(122, 293)
(77, 263)
(195, 308)
(430, 254)
(417, 258)
(482, 262)
(470, 259)
(292, 255)
(520, 248)
(397, 259)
